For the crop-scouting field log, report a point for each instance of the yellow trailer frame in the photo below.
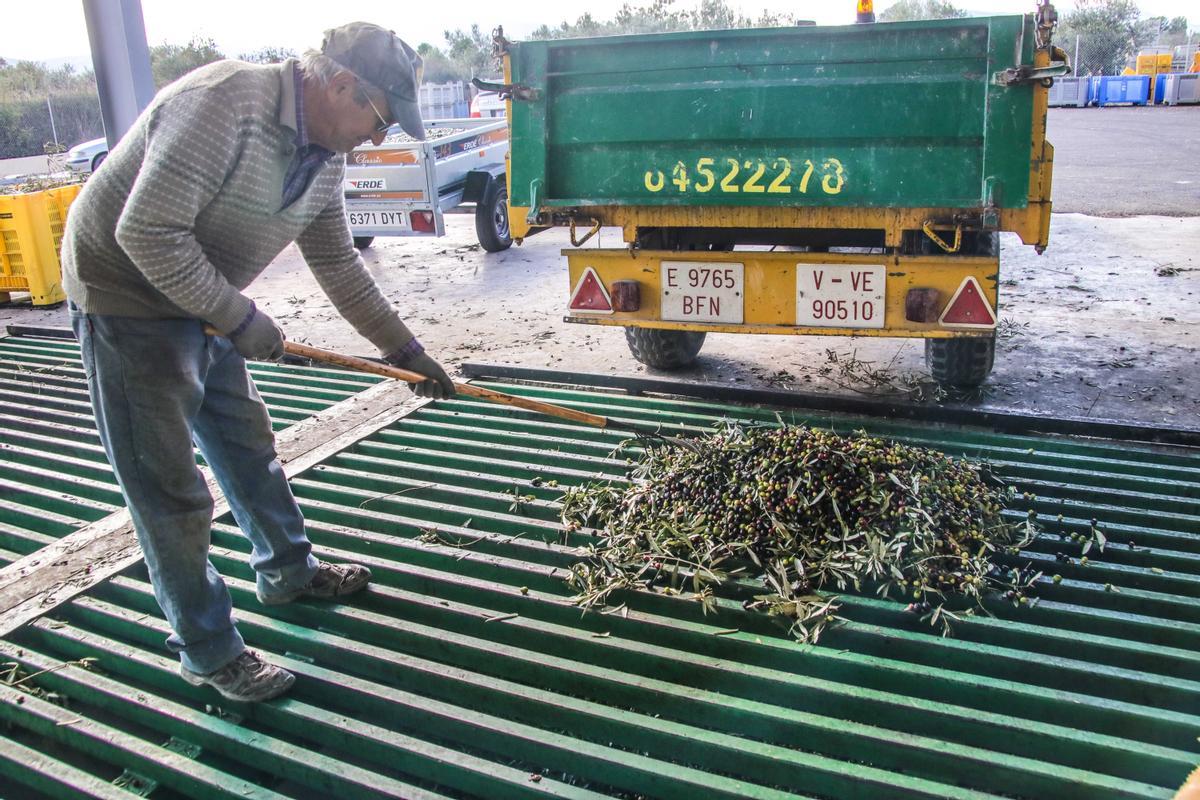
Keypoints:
(770, 288)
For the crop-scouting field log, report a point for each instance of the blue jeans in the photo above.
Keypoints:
(156, 386)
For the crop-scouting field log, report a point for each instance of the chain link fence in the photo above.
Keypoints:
(1110, 54)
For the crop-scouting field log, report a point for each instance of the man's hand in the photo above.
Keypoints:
(412, 357)
(258, 338)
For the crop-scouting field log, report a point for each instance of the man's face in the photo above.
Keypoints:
(340, 123)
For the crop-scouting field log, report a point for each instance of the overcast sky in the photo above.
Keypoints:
(45, 30)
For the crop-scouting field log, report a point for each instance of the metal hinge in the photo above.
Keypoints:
(506, 90)
(1025, 74)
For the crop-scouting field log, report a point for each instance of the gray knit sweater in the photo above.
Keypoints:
(186, 211)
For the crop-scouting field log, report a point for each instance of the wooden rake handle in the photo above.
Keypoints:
(387, 371)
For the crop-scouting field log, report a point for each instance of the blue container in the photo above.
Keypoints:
(1160, 87)
(1119, 89)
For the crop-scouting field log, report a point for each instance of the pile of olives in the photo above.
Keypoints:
(806, 511)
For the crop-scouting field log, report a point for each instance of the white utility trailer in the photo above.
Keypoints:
(403, 187)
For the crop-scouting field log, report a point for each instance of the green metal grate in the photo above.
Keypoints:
(466, 672)
(54, 476)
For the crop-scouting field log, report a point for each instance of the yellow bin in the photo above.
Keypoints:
(31, 226)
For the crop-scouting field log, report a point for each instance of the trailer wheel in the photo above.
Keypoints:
(960, 363)
(491, 218)
(664, 349)
(363, 242)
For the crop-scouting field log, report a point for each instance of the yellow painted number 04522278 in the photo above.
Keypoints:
(759, 176)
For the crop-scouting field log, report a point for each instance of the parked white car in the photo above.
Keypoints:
(88, 156)
(487, 105)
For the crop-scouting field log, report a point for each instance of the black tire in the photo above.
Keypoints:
(363, 242)
(960, 363)
(664, 349)
(98, 160)
(987, 243)
(491, 218)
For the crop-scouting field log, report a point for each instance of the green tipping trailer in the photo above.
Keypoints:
(886, 158)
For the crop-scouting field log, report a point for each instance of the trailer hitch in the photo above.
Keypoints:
(958, 230)
(594, 230)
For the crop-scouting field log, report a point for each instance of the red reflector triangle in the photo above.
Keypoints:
(969, 308)
(590, 296)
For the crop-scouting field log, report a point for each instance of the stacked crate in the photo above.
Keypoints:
(31, 231)
(1155, 66)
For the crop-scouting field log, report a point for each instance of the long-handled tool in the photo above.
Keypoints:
(583, 417)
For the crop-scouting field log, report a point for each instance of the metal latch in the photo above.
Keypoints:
(506, 90)
(1026, 74)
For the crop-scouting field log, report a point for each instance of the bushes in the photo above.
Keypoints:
(25, 124)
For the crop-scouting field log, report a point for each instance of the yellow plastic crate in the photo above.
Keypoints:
(31, 230)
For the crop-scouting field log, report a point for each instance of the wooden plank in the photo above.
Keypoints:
(36, 584)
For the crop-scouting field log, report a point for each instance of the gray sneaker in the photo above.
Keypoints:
(331, 580)
(246, 679)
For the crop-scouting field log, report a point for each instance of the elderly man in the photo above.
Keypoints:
(225, 168)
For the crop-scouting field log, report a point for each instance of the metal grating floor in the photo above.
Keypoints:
(466, 672)
(54, 476)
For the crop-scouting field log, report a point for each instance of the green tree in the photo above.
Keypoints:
(31, 80)
(903, 10)
(28, 92)
(1110, 33)
(661, 16)
(169, 62)
(471, 51)
(439, 68)
(268, 55)
(1164, 32)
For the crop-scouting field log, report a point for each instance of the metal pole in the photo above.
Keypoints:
(121, 59)
(53, 129)
(1076, 61)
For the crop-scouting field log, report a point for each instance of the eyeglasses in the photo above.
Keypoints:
(384, 125)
